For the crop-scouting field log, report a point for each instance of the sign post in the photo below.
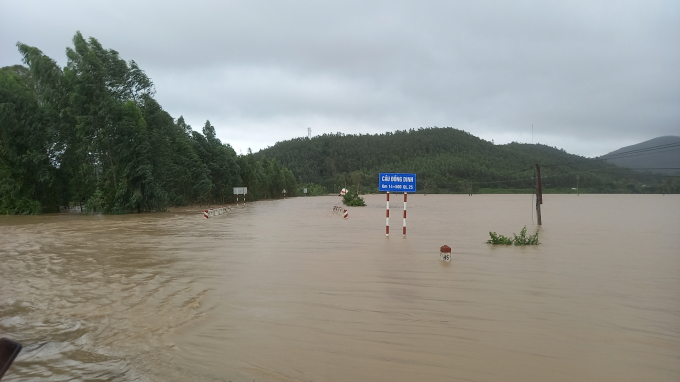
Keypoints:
(387, 219)
(396, 182)
(243, 191)
(539, 194)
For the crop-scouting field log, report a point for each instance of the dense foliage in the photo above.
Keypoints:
(499, 239)
(522, 239)
(92, 133)
(313, 189)
(352, 198)
(450, 160)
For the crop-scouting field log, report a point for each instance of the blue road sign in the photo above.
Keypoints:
(397, 182)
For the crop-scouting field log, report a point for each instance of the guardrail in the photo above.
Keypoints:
(343, 210)
(215, 211)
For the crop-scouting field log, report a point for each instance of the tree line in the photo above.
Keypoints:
(92, 133)
(448, 160)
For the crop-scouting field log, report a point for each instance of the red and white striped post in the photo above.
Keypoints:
(205, 214)
(404, 214)
(387, 219)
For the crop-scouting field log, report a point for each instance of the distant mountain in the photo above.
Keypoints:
(659, 155)
(446, 160)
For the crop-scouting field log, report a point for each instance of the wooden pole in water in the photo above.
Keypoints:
(539, 194)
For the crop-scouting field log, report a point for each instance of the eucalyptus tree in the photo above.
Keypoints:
(114, 152)
(93, 133)
(220, 159)
(31, 124)
(24, 165)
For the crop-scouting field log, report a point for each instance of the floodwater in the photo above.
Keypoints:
(288, 290)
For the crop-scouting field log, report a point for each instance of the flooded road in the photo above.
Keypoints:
(287, 290)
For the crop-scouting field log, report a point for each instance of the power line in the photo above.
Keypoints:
(655, 168)
(644, 150)
(625, 171)
(581, 172)
(625, 154)
(526, 169)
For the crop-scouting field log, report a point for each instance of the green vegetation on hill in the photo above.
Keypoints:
(92, 133)
(450, 160)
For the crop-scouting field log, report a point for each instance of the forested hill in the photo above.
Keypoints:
(92, 134)
(445, 160)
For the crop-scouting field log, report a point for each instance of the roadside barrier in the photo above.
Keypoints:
(343, 210)
(215, 212)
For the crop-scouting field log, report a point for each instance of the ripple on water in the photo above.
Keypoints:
(286, 290)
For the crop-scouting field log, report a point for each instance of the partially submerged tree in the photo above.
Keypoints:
(93, 134)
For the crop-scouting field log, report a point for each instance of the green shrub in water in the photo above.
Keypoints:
(353, 199)
(96, 204)
(499, 239)
(522, 239)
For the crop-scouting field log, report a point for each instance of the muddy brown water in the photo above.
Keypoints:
(287, 290)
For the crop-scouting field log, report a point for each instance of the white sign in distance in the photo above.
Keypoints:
(240, 190)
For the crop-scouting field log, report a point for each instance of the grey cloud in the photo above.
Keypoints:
(579, 70)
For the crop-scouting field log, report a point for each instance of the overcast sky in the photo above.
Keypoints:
(591, 76)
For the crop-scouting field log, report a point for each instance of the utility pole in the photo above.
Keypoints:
(577, 194)
(539, 194)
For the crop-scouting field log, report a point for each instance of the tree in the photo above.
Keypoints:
(93, 133)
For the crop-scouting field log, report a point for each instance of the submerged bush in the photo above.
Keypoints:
(313, 189)
(499, 239)
(353, 199)
(522, 239)
(96, 204)
(20, 206)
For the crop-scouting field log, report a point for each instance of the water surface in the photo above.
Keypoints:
(287, 290)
